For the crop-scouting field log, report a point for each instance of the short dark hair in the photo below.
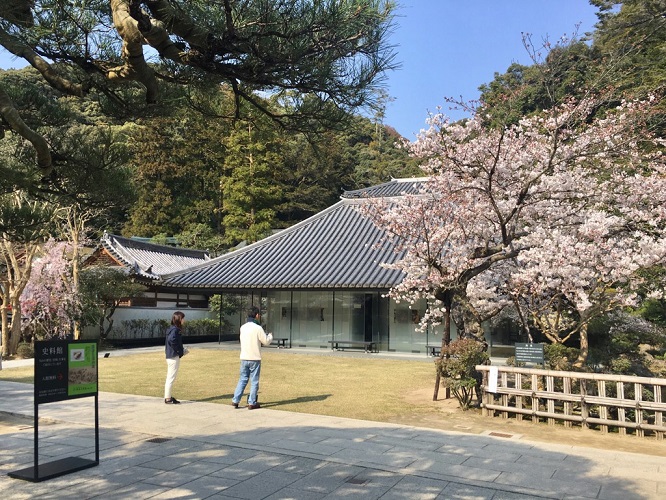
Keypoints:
(252, 312)
(177, 319)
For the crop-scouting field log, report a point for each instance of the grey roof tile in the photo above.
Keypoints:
(395, 187)
(149, 260)
(333, 249)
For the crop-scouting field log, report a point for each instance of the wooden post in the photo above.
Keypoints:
(658, 415)
(603, 410)
(584, 408)
(568, 405)
(621, 413)
(638, 418)
(519, 398)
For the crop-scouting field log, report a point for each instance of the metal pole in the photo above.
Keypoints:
(36, 450)
(96, 428)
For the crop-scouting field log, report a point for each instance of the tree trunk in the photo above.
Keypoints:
(106, 316)
(75, 276)
(15, 328)
(5, 330)
(446, 340)
(584, 347)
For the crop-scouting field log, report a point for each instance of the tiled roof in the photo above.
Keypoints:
(336, 248)
(149, 260)
(396, 187)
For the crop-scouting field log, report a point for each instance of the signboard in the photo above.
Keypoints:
(64, 369)
(529, 353)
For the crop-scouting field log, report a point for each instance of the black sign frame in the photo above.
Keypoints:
(64, 369)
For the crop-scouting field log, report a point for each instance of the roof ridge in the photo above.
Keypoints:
(130, 242)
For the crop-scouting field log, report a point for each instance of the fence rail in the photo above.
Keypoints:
(605, 402)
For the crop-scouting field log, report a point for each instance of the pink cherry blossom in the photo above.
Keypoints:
(554, 215)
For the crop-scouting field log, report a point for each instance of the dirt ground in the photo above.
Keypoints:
(450, 417)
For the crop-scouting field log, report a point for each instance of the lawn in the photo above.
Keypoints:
(368, 388)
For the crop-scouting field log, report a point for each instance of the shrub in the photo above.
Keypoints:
(25, 351)
(511, 361)
(458, 372)
(140, 329)
(156, 328)
(205, 326)
(619, 343)
(559, 357)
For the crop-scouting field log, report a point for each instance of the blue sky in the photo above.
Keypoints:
(448, 48)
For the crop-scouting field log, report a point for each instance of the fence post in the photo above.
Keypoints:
(584, 409)
(519, 398)
(568, 405)
(638, 418)
(535, 399)
(603, 410)
(658, 416)
(621, 412)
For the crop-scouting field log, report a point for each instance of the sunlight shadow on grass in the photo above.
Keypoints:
(225, 398)
(304, 399)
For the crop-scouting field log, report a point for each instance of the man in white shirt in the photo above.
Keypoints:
(252, 337)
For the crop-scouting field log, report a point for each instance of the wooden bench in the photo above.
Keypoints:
(366, 345)
(281, 342)
(433, 350)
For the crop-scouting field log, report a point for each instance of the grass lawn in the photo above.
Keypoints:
(366, 388)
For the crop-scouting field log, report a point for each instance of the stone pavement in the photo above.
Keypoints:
(207, 450)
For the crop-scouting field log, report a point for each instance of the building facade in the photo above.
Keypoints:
(143, 317)
(318, 281)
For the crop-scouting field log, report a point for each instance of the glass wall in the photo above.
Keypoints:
(404, 321)
(234, 311)
(311, 318)
(360, 316)
(277, 318)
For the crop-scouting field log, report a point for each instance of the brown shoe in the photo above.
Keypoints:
(253, 407)
(235, 405)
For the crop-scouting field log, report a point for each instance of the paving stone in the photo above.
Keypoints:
(415, 488)
(300, 457)
(262, 485)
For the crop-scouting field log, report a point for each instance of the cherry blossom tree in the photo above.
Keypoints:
(568, 203)
(49, 302)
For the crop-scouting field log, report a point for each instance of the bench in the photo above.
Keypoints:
(366, 345)
(433, 350)
(281, 342)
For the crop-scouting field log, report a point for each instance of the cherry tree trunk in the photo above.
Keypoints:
(584, 347)
(446, 340)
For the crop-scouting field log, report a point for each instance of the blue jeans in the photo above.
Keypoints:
(249, 371)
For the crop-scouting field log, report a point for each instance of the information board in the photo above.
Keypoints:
(65, 369)
(529, 353)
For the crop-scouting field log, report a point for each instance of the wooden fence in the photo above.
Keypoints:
(608, 403)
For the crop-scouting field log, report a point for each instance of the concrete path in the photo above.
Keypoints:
(206, 450)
